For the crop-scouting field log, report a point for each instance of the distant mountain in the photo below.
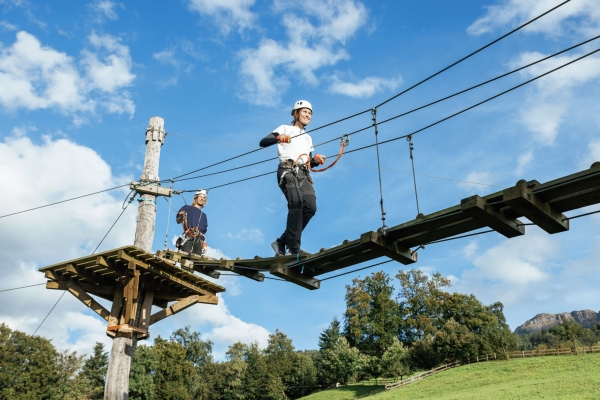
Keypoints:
(543, 322)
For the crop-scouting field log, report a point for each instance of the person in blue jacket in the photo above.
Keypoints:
(195, 224)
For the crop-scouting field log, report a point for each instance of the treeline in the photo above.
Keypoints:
(568, 334)
(31, 368)
(384, 332)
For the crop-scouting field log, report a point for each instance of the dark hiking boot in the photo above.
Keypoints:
(278, 248)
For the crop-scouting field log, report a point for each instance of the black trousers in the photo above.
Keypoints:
(302, 204)
(193, 245)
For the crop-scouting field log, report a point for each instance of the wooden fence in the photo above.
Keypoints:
(482, 358)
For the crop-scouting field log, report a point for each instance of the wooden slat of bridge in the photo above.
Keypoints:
(541, 203)
(98, 274)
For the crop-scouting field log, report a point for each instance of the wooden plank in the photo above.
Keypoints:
(381, 245)
(153, 189)
(106, 292)
(288, 274)
(117, 306)
(315, 266)
(478, 208)
(85, 275)
(83, 297)
(182, 305)
(535, 209)
(129, 295)
(146, 309)
(464, 225)
(229, 265)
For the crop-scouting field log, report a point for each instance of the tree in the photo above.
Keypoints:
(455, 342)
(330, 335)
(568, 330)
(337, 364)
(371, 317)
(94, 369)
(28, 366)
(174, 373)
(395, 362)
(143, 369)
(294, 370)
(233, 372)
(199, 353)
(260, 382)
(420, 301)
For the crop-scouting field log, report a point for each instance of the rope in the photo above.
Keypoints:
(473, 53)
(411, 148)
(344, 141)
(117, 220)
(22, 287)
(383, 226)
(397, 95)
(47, 315)
(168, 218)
(581, 215)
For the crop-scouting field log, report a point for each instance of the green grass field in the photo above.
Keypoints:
(552, 377)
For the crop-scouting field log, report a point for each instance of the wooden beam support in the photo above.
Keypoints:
(83, 297)
(106, 292)
(148, 188)
(286, 273)
(182, 305)
(117, 306)
(520, 198)
(388, 248)
(248, 273)
(166, 274)
(478, 208)
(146, 310)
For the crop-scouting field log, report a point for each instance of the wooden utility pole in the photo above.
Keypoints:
(124, 343)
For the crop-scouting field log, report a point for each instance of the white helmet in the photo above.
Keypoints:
(204, 193)
(301, 104)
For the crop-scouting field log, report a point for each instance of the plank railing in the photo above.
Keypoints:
(422, 375)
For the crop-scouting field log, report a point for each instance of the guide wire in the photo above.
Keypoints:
(374, 119)
(411, 148)
(418, 108)
(473, 53)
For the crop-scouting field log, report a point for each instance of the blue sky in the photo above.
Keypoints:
(78, 85)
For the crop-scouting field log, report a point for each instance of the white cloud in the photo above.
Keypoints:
(522, 274)
(35, 174)
(517, 12)
(367, 87)
(252, 234)
(111, 71)
(592, 156)
(472, 183)
(34, 76)
(267, 70)
(106, 9)
(7, 26)
(226, 328)
(544, 121)
(550, 97)
(524, 160)
(226, 14)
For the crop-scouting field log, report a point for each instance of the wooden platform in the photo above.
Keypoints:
(543, 204)
(116, 275)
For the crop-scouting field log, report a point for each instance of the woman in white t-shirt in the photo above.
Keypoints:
(295, 148)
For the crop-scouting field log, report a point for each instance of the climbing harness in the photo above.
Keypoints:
(411, 148)
(189, 232)
(383, 226)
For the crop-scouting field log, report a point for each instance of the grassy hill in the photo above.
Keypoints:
(552, 377)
